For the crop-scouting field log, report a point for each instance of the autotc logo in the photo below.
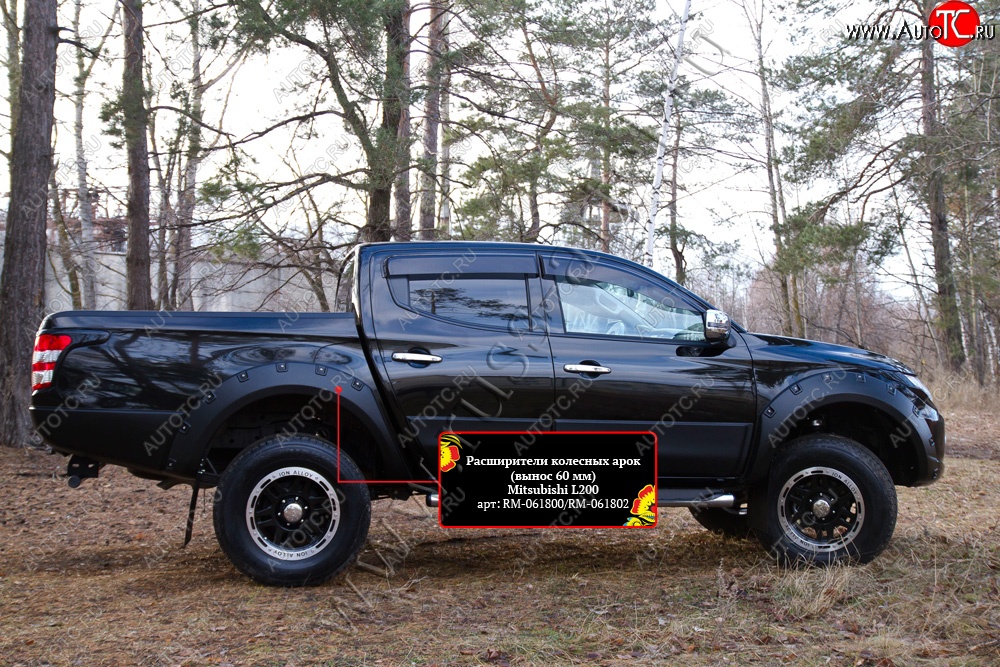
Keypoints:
(954, 23)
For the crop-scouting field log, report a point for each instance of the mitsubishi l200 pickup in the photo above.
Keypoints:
(300, 420)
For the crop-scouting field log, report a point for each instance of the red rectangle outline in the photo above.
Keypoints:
(656, 475)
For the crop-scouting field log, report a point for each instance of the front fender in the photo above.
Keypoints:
(787, 410)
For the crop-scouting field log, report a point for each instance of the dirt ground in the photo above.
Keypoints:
(96, 576)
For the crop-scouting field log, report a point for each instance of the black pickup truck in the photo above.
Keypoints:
(797, 442)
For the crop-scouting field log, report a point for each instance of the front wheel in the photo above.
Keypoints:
(282, 517)
(829, 500)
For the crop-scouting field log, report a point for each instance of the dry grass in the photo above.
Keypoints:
(963, 392)
(95, 576)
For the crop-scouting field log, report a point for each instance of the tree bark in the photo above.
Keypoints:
(166, 218)
(162, 246)
(798, 323)
(676, 249)
(84, 208)
(948, 319)
(404, 214)
(135, 121)
(13, 68)
(796, 302)
(432, 123)
(606, 149)
(22, 282)
(383, 162)
(551, 98)
(186, 193)
(534, 208)
(445, 140)
(64, 248)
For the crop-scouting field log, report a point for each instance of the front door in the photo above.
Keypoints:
(629, 353)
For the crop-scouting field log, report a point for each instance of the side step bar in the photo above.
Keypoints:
(694, 498)
(664, 498)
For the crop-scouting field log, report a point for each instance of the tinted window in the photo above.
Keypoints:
(496, 302)
(626, 307)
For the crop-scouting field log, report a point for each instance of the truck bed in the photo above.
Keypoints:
(132, 383)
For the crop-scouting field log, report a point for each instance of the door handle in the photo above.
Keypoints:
(586, 368)
(415, 358)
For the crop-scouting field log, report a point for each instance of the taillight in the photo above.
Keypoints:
(48, 347)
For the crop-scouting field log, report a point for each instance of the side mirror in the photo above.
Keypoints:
(717, 325)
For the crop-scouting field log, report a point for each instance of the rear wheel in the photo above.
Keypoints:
(829, 500)
(282, 517)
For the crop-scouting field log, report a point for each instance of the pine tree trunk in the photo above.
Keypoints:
(164, 241)
(22, 282)
(794, 298)
(13, 68)
(606, 151)
(186, 193)
(377, 228)
(796, 302)
(166, 222)
(432, 123)
(137, 280)
(947, 301)
(384, 158)
(166, 227)
(404, 214)
(445, 140)
(534, 209)
(680, 264)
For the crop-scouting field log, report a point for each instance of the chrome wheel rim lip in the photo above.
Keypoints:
(330, 516)
(794, 530)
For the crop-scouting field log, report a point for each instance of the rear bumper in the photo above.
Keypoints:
(136, 439)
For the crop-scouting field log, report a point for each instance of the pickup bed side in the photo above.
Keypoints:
(175, 395)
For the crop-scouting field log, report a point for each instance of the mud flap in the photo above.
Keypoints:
(189, 529)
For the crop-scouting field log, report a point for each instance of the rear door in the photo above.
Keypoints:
(460, 342)
(629, 353)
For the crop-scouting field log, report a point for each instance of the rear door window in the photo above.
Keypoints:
(500, 301)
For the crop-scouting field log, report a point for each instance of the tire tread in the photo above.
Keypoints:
(819, 449)
(231, 531)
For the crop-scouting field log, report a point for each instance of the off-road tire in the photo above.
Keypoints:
(282, 517)
(828, 500)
